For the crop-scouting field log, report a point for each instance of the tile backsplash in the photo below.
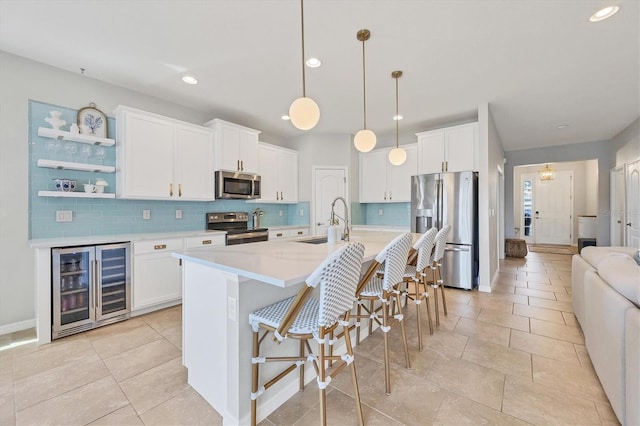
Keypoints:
(95, 216)
(393, 214)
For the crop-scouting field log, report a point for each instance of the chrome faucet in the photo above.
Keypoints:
(345, 234)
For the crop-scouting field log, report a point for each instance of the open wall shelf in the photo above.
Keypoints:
(46, 132)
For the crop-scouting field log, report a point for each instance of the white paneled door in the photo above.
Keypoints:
(633, 204)
(329, 183)
(616, 213)
(553, 210)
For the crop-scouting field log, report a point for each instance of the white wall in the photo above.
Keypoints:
(627, 144)
(491, 162)
(585, 190)
(328, 149)
(21, 80)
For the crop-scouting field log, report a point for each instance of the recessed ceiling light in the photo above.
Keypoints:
(313, 62)
(562, 126)
(285, 117)
(397, 117)
(190, 79)
(604, 13)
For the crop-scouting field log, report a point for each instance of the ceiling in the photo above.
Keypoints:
(539, 63)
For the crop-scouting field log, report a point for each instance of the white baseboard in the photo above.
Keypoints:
(17, 326)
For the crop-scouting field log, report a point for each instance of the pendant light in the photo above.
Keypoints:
(397, 156)
(304, 112)
(365, 139)
(547, 173)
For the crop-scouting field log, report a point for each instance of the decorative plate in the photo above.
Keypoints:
(92, 121)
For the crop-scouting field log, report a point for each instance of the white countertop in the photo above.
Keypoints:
(107, 239)
(281, 227)
(282, 263)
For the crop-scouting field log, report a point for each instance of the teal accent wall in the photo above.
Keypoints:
(95, 216)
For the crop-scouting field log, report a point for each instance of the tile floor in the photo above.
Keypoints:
(515, 356)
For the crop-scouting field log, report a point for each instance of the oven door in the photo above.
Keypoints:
(247, 237)
(233, 185)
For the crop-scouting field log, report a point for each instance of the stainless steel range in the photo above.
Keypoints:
(236, 226)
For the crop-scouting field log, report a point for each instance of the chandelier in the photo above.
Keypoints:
(547, 173)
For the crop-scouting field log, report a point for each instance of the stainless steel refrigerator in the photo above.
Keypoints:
(441, 199)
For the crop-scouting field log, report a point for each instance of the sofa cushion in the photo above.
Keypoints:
(594, 255)
(622, 273)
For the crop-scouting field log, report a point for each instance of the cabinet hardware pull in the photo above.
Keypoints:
(205, 242)
(391, 198)
(180, 262)
(277, 196)
(179, 190)
(281, 196)
(385, 195)
(242, 165)
(279, 235)
(238, 165)
(171, 190)
(160, 247)
(300, 232)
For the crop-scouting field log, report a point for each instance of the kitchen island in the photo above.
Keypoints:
(221, 286)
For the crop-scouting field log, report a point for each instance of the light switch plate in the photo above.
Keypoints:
(178, 214)
(146, 214)
(379, 212)
(280, 213)
(301, 212)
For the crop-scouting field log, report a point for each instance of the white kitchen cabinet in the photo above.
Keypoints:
(205, 241)
(381, 181)
(278, 169)
(157, 276)
(451, 149)
(236, 147)
(281, 234)
(159, 158)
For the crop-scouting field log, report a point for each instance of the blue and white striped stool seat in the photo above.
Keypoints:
(373, 287)
(305, 323)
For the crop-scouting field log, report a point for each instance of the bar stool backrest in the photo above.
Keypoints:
(338, 277)
(425, 248)
(441, 242)
(394, 257)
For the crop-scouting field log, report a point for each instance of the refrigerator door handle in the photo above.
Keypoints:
(98, 287)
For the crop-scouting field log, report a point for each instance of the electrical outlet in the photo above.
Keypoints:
(146, 214)
(64, 215)
(178, 214)
(380, 212)
(301, 212)
(280, 213)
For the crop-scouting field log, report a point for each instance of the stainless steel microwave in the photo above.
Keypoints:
(244, 186)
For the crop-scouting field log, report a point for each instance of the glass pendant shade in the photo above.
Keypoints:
(364, 140)
(304, 113)
(397, 156)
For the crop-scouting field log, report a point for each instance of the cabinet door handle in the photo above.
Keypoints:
(160, 247)
(179, 190)
(390, 196)
(281, 196)
(206, 242)
(242, 165)
(170, 190)
(278, 235)
(385, 195)
(300, 232)
(277, 196)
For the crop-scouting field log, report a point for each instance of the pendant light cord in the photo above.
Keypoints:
(364, 86)
(397, 116)
(304, 92)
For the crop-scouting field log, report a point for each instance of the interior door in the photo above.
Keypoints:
(328, 184)
(617, 217)
(554, 209)
(633, 204)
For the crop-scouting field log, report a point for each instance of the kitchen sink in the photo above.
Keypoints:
(318, 240)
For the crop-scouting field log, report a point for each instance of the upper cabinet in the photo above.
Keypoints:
(236, 147)
(159, 158)
(451, 149)
(381, 181)
(278, 170)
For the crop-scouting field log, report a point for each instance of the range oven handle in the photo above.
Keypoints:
(246, 235)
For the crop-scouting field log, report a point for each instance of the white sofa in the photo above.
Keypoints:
(605, 288)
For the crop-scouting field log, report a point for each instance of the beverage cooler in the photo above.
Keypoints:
(91, 287)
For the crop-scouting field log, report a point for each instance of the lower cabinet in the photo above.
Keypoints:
(281, 234)
(157, 276)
